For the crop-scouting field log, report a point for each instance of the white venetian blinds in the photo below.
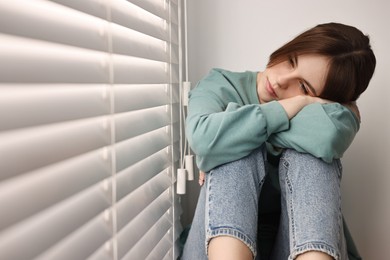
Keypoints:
(89, 123)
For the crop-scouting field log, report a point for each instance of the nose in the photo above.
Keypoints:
(285, 80)
(282, 82)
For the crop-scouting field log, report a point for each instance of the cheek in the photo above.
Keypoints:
(290, 92)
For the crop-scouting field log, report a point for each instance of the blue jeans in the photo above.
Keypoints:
(311, 216)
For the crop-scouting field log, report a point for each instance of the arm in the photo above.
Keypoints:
(225, 136)
(350, 134)
(294, 105)
(325, 131)
(222, 125)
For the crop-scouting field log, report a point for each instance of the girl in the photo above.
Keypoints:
(298, 116)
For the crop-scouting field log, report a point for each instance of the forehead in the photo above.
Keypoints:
(314, 69)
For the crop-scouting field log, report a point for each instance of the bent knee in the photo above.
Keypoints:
(298, 162)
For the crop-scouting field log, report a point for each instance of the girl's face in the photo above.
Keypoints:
(301, 75)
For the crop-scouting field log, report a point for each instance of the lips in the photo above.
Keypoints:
(269, 89)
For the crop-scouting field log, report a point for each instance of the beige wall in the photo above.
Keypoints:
(239, 35)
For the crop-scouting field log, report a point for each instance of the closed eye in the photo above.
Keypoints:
(304, 88)
(292, 60)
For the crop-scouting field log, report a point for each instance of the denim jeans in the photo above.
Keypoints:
(311, 216)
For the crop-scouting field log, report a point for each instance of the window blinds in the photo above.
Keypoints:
(89, 129)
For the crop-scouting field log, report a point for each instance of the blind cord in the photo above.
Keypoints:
(186, 170)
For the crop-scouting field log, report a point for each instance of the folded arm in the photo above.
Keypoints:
(323, 130)
(232, 133)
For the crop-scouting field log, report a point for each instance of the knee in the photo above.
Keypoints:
(294, 157)
(296, 162)
(254, 162)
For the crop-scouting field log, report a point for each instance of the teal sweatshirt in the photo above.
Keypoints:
(226, 121)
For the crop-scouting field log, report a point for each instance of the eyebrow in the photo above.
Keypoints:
(310, 86)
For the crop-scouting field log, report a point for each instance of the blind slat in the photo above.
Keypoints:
(162, 248)
(83, 242)
(135, 97)
(136, 18)
(47, 23)
(103, 253)
(96, 8)
(32, 105)
(52, 225)
(134, 123)
(136, 229)
(42, 146)
(133, 70)
(36, 191)
(44, 62)
(133, 150)
(154, 234)
(138, 174)
(133, 43)
(133, 204)
(157, 7)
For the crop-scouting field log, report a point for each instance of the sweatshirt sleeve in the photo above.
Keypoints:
(220, 128)
(325, 131)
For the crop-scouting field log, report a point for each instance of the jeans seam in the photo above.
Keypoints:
(315, 246)
(286, 164)
(231, 232)
(207, 210)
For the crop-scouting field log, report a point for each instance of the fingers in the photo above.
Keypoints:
(201, 178)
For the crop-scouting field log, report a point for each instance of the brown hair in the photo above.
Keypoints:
(351, 59)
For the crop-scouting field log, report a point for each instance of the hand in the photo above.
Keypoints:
(294, 104)
(354, 108)
(201, 178)
(319, 100)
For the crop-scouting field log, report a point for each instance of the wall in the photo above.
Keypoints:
(240, 35)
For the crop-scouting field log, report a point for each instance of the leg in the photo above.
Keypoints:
(194, 246)
(228, 248)
(314, 255)
(227, 209)
(311, 221)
